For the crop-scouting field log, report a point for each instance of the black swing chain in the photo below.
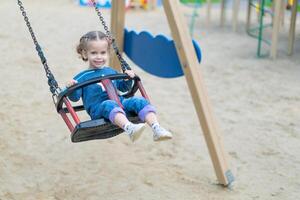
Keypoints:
(51, 79)
(124, 64)
(54, 88)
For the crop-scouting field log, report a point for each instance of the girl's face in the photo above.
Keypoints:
(97, 53)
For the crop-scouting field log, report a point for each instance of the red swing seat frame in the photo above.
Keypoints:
(100, 128)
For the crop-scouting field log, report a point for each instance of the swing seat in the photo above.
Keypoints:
(99, 128)
(92, 129)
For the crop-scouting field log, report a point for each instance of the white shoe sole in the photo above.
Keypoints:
(162, 138)
(137, 134)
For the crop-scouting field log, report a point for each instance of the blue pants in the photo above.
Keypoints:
(109, 108)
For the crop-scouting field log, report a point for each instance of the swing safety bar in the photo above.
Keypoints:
(95, 129)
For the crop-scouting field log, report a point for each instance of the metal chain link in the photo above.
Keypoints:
(51, 79)
(124, 64)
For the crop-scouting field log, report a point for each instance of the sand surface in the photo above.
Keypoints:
(256, 103)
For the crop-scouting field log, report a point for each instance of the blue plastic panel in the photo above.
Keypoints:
(156, 55)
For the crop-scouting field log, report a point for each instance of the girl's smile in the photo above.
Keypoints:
(97, 53)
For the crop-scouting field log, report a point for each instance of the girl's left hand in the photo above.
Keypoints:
(130, 73)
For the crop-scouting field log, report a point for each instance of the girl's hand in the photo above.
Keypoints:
(130, 73)
(70, 83)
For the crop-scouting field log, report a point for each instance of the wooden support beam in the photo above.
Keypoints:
(223, 10)
(235, 13)
(291, 39)
(282, 14)
(117, 29)
(248, 20)
(276, 24)
(208, 14)
(191, 68)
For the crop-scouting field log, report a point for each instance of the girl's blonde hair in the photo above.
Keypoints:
(90, 36)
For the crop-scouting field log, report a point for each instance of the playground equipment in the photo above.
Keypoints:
(278, 7)
(100, 3)
(145, 4)
(189, 64)
(91, 129)
(294, 9)
(143, 49)
(196, 4)
(257, 31)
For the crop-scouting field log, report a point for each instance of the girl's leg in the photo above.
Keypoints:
(151, 118)
(147, 114)
(134, 131)
(109, 109)
(141, 107)
(159, 133)
(120, 120)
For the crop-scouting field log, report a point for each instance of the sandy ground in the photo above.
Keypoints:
(256, 103)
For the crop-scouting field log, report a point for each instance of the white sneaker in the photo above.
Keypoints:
(134, 131)
(160, 134)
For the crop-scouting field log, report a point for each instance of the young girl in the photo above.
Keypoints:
(94, 48)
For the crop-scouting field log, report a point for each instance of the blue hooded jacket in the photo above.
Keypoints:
(93, 95)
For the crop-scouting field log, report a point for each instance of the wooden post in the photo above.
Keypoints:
(276, 24)
(117, 29)
(291, 39)
(282, 11)
(248, 21)
(235, 7)
(208, 2)
(223, 3)
(191, 68)
(152, 4)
